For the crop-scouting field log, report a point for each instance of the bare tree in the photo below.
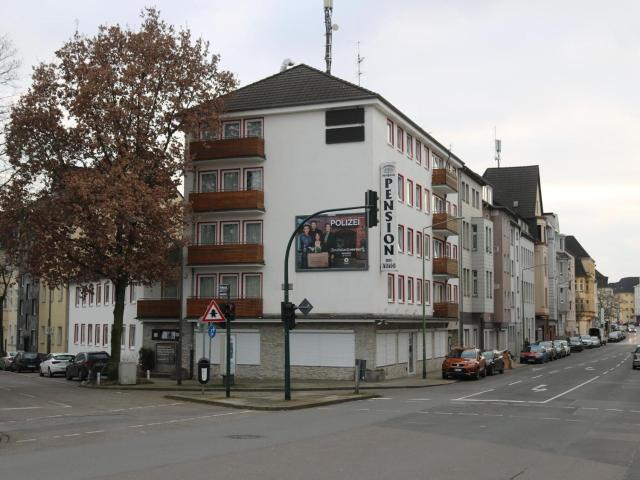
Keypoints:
(9, 65)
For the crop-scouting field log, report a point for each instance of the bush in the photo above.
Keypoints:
(147, 358)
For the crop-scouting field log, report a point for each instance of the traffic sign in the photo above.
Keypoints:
(213, 313)
(305, 307)
(223, 291)
(212, 330)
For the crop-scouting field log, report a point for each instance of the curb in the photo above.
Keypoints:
(222, 403)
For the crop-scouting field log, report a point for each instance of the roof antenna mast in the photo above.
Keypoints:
(498, 146)
(360, 60)
(329, 29)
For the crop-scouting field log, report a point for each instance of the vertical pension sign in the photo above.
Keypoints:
(388, 219)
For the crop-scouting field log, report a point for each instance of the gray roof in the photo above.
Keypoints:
(601, 280)
(516, 184)
(572, 245)
(304, 85)
(625, 285)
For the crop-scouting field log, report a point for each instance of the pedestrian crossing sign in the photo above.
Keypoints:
(213, 314)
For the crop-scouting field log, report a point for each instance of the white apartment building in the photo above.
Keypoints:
(566, 290)
(553, 274)
(289, 145)
(91, 319)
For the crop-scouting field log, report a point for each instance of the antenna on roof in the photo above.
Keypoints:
(360, 60)
(497, 146)
(286, 63)
(329, 29)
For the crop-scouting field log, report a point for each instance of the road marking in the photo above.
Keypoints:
(63, 405)
(418, 399)
(27, 440)
(537, 376)
(589, 408)
(540, 388)
(589, 368)
(570, 390)
(94, 431)
(550, 418)
(140, 426)
(553, 371)
(567, 368)
(469, 414)
(474, 394)
(442, 413)
(363, 410)
(570, 420)
(514, 383)
(493, 414)
(28, 395)
(72, 435)
(535, 369)
(613, 410)
(634, 411)
(604, 373)
(380, 398)
(19, 408)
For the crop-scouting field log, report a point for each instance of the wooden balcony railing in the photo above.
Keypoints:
(444, 180)
(445, 266)
(245, 307)
(249, 147)
(220, 201)
(445, 223)
(445, 309)
(225, 254)
(158, 308)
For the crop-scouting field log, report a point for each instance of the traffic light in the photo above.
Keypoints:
(229, 311)
(288, 310)
(371, 201)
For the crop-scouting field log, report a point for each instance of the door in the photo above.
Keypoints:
(412, 356)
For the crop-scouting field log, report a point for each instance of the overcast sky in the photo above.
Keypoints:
(559, 80)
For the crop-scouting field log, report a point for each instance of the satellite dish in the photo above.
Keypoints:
(334, 27)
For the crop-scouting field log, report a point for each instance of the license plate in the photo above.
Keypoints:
(458, 369)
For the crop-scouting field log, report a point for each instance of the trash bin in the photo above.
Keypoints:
(203, 371)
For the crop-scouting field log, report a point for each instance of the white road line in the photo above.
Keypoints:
(363, 410)
(537, 376)
(604, 373)
(469, 414)
(418, 399)
(140, 426)
(589, 408)
(493, 400)
(19, 408)
(94, 431)
(63, 405)
(474, 394)
(634, 411)
(27, 440)
(567, 368)
(553, 371)
(72, 435)
(380, 398)
(514, 383)
(570, 390)
(28, 395)
(551, 418)
(571, 420)
(613, 410)
(493, 415)
(442, 413)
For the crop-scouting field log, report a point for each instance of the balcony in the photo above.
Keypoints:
(445, 310)
(444, 181)
(245, 307)
(444, 224)
(158, 308)
(238, 148)
(445, 267)
(226, 254)
(225, 201)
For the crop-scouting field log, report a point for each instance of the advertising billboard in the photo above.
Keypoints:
(388, 220)
(332, 242)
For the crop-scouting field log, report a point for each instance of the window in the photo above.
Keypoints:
(419, 291)
(418, 197)
(75, 333)
(232, 281)
(418, 152)
(77, 296)
(401, 238)
(253, 128)
(107, 292)
(132, 293)
(209, 182)
(59, 335)
(97, 342)
(454, 253)
(475, 282)
(105, 334)
(231, 181)
(252, 286)
(253, 179)
(427, 201)
(410, 241)
(207, 286)
(231, 129)
(426, 157)
(230, 233)
(170, 289)
(474, 237)
(253, 232)
(82, 334)
(132, 336)
(427, 292)
(401, 188)
(391, 287)
(207, 234)
(400, 288)
(419, 244)
(410, 290)
(455, 293)
(98, 293)
(400, 139)
(91, 294)
(123, 336)
(437, 248)
(84, 298)
(410, 192)
(427, 246)
(389, 132)
(409, 146)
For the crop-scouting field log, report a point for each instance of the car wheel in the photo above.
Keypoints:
(444, 376)
(67, 375)
(489, 371)
(477, 375)
(41, 373)
(484, 372)
(501, 370)
(50, 373)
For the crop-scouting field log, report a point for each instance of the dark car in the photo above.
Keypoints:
(636, 358)
(86, 364)
(553, 351)
(464, 362)
(534, 353)
(25, 361)
(575, 344)
(494, 362)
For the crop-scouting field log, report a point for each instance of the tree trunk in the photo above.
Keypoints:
(120, 287)
(2, 349)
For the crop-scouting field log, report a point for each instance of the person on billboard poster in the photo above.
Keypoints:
(305, 241)
(317, 243)
(329, 242)
(314, 229)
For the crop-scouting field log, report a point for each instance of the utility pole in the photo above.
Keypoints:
(328, 10)
(49, 323)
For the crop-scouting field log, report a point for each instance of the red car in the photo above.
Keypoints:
(534, 354)
(464, 362)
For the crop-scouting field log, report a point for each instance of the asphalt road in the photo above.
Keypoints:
(575, 418)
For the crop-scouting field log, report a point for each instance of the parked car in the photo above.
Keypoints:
(554, 352)
(535, 353)
(25, 361)
(464, 362)
(7, 360)
(494, 362)
(55, 363)
(586, 341)
(86, 364)
(595, 341)
(636, 358)
(614, 336)
(565, 346)
(598, 332)
(631, 329)
(575, 344)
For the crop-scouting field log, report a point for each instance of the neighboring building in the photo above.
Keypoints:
(289, 145)
(608, 309)
(476, 259)
(586, 291)
(91, 319)
(566, 289)
(636, 299)
(27, 318)
(52, 319)
(552, 235)
(10, 318)
(519, 189)
(624, 294)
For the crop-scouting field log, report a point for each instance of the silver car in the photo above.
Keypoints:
(565, 347)
(595, 341)
(55, 363)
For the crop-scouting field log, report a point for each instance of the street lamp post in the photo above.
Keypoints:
(424, 312)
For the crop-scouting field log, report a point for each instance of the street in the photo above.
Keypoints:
(578, 417)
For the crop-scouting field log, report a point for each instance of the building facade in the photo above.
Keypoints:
(27, 315)
(586, 289)
(566, 289)
(10, 318)
(52, 319)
